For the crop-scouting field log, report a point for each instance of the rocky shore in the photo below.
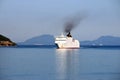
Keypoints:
(4, 41)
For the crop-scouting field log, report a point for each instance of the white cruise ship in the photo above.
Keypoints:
(67, 42)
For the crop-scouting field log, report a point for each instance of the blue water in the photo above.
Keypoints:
(49, 63)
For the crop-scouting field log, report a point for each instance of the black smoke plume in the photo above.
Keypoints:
(72, 23)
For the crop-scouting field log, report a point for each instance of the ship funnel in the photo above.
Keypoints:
(69, 35)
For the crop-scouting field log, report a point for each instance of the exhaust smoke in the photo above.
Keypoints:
(72, 23)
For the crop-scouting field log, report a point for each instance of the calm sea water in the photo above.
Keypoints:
(49, 63)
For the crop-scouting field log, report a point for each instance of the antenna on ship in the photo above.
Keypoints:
(62, 34)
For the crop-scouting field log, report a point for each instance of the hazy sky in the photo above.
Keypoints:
(23, 19)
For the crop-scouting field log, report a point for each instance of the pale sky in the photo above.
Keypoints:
(23, 19)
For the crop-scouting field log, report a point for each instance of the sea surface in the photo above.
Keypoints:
(50, 63)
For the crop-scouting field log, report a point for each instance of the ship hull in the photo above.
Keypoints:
(70, 47)
(67, 47)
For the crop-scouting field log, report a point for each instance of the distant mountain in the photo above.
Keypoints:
(4, 41)
(103, 41)
(39, 40)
